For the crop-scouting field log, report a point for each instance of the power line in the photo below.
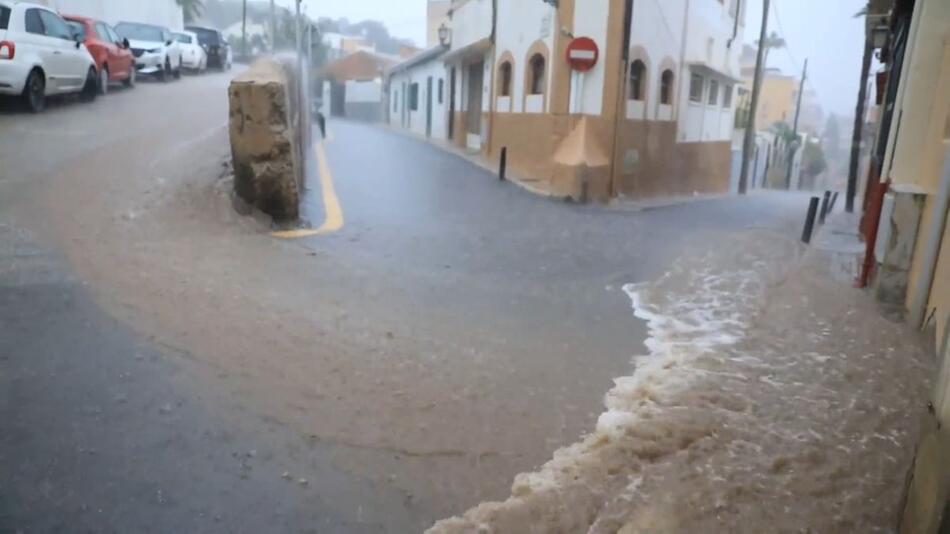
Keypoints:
(788, 49)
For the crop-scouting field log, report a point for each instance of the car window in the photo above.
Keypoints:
(78, 29)
(4, 17)
(55, 26)
(183, 38)
(114, 37)
(206, 36)
(139, 32)
(103, 30)
(33, 22)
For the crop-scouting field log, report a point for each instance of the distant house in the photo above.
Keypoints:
(355, 84)
(340, 45)
(418, 94)
(258, 36)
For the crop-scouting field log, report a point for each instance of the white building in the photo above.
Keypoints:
(160, 12)
(417, 94)
(654, 116)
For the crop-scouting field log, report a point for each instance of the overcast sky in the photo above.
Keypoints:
(404, 18)
(833, 41)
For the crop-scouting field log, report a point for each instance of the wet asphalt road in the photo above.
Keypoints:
(103, 431)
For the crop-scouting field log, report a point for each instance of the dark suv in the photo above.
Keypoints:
(215, 45)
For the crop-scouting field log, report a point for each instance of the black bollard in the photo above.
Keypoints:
(834, 199)
(810, 220)
(322, 122)
(503, 164)
(824, 207)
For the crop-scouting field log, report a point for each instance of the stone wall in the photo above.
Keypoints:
(266, 138)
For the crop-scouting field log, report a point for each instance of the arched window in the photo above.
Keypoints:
(537, 75)
(666, 88)
(638, 73)
(504, 79)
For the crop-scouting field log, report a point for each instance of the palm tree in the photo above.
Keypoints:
(192, 9)
(772, 41)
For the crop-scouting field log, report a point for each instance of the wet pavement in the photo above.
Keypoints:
(456, 331)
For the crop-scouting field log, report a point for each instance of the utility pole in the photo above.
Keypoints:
(273, 27)
(297, 29)
(756, 91)
(798, 114)
(858, 133)
(244, 31)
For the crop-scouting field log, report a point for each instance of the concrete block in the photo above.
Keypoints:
(264, 146)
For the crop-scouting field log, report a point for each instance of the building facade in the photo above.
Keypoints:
(653, 117)
(160, 12)
(437, 14)
(418, 95)
(910, 170)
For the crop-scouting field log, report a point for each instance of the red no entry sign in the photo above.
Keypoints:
(582, 54)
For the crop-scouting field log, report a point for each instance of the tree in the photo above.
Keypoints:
(191, 9)
(772, 41)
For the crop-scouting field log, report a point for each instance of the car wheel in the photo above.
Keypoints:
(177, 72)
(129, 80)
(91, 88)
(104, 80)
(34, 93)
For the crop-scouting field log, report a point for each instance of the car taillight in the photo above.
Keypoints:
(7, 49)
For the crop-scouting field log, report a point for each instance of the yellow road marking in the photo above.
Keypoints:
(333, 212)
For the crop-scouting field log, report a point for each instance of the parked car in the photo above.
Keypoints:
(114, 60)
(39, 56)
(193, 55)
(215, 45)
(156, 51)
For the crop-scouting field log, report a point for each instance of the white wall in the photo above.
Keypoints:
(520, 25)
(415, 121)
(709, 26)
(590, 20)
(658, 28)
(471, 22)
(364, 91)
(160, 12)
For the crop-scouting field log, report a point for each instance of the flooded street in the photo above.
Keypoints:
(766, 403)
(475, 267)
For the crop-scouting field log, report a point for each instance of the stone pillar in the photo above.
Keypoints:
(264, 146)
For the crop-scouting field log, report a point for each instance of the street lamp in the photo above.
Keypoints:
(445, 35)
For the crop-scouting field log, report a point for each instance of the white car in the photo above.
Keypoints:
(193, 56)
(40, 56)
(155, 49)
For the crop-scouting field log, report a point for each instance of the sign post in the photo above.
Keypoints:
(582, 55)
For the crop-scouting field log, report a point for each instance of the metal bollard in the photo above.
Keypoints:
(810, 220)
(503, 164)
(834, 199)
(824, 207)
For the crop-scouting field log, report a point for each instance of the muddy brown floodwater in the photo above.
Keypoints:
(773, 398)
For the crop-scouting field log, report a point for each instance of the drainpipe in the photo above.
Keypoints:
(938, 225)
(735, 24)
(491, 79)
(619, 109)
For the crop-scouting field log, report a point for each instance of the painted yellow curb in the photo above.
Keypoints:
(333, 212)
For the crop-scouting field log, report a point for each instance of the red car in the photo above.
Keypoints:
(114, 60)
